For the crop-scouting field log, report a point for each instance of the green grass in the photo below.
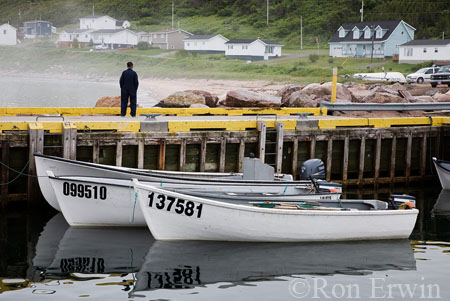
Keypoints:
(43, 57)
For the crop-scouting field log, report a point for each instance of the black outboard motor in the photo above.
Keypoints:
(312, 168)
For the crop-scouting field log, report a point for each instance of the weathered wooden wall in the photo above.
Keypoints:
(353, 156)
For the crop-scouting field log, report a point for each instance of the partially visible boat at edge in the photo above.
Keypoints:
(443, 171)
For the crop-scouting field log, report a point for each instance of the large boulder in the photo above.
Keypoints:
(379, 97)
(299, 99)
(211, 100)
(108, 102)
(321, 90)
(423, 98)
(286, 91)
(244, 98)
(439, 97)
(183, 100)
(199, 106)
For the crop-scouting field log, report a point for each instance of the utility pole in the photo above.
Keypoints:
(362, 11)
(301, 32)
(372, 29)
(267, 12)
(93, 10)
(172, 15)
(443, 35)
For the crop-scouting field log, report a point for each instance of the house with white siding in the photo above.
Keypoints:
(206, 43)
(356, 39)
(102, 22)
(8, 34)
(115, 38)
(67, 36)
(418, 51)
(255, 49)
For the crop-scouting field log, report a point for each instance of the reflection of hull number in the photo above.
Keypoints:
(84, 191)
(179, 206)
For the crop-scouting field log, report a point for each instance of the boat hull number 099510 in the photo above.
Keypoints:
(172, 204)
(84, 191)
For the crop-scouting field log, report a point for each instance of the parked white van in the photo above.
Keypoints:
(422, 75)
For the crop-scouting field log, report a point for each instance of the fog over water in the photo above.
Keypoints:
(46, 92)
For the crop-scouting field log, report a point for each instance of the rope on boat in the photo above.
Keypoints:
(19, 173)
(134, 206)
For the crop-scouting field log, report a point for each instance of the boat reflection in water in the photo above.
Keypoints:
(90, 250)
(185, 264)
(64, 252)
(442, 205)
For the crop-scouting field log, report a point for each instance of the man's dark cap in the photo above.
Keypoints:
(129, 64)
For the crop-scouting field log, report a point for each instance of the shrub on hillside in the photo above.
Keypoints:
(143, 45)
(313, 57)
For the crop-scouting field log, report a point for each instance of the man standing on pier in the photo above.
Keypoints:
(128, 88)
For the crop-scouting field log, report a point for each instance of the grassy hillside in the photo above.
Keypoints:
(44, 58)
(240, 18)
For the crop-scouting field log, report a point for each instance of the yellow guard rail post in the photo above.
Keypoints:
(333, 85)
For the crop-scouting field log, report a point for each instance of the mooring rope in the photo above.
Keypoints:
(19, 173)
(134, 205)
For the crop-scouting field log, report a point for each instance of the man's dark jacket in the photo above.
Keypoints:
(129, 82)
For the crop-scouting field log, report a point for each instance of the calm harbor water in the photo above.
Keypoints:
(44, 92)
(42, 258)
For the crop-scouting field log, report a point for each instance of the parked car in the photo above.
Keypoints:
(101, 47)
(421, 75)
(442, 77)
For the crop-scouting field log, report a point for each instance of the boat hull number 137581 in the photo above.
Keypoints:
(176, 205)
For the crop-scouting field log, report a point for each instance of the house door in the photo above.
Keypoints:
(338, 51)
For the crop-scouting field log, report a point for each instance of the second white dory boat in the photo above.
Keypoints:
(175, 216)
(92, 201)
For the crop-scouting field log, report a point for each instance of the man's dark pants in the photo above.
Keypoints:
(124, 103)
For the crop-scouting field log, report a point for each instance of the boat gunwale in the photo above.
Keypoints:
(149, 174)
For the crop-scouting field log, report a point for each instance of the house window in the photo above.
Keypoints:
(408, 51)
(161, 35)
(4, 31)
(244, 47)
(379, 33)
(367, 34)
(435, 50)
(203, 43)
(86, 36)
(188, 44)
(356, 34)
(341, 33)
(424, 50)
(269, 49)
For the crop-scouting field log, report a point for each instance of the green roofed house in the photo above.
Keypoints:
(356, 39)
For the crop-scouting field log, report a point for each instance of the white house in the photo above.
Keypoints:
(67, 36)
(115, 38)
(356, 39)
(206, 43)
(8, 34)
(418, 51)
(252, 49)
(102, 22)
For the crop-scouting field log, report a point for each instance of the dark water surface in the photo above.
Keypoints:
(42, 258)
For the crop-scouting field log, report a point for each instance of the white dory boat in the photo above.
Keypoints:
(66, 167)
(175, 216)
(443, 171)
(92, 201)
